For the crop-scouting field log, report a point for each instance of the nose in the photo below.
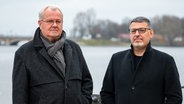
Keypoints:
(137, 32)
(54, 23)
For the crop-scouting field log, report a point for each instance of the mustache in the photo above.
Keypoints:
(137, 37)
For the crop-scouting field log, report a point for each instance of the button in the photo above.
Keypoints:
(133, 87)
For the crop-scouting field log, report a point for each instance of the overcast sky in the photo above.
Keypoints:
(20, 16)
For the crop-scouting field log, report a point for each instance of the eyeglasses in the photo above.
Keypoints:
(51, 22)
(140, 30)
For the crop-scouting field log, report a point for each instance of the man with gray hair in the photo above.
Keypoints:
(51, 69)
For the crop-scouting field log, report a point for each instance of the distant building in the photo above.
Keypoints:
(124, 36)
(87, 37)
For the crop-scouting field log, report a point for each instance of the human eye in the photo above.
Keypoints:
(50, 21)
(58, 21)
(133, 31)
(142, 30)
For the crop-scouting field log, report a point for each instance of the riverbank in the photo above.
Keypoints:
(100, 42)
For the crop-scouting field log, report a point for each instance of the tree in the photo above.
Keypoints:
(83, 23)
(169, 27)
(124, 27)
(106, 28)
(182, 26)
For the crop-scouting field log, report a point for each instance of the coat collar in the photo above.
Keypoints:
(38, 44)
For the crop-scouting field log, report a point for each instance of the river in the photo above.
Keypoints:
(97, 59)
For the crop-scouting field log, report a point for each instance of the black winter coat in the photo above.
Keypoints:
(37, 79)
(155, 80)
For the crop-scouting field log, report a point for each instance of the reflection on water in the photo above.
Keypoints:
(97, 59)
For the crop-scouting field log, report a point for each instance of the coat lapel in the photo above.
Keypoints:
(68, 58)
(45, 55)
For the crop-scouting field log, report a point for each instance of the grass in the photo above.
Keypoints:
(100, 42)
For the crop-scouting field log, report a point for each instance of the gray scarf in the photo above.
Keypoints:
(55, 50)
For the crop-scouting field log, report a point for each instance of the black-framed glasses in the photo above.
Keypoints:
(51, 22)
(140, 30)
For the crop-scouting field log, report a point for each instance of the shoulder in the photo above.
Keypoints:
(161, 55)
(24, 51)
(121, 54)
(25, 47)
(71, 43)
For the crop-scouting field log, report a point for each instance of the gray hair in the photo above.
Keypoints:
(52, 7)
(142, 19)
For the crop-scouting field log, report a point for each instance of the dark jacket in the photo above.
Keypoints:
(37, 79)
(155, 80)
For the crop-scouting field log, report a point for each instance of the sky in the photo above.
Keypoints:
(19, 17)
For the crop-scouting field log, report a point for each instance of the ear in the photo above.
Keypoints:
(39, 23)
(151, 33)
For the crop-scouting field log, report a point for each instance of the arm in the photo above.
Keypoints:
(87, 83)
(173, 91)
(19, 80)
(107, 91)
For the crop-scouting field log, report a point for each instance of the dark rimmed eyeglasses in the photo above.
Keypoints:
(140, 30)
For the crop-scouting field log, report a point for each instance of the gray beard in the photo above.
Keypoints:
(139, 44)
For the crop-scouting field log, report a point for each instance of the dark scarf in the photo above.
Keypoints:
(55, 50)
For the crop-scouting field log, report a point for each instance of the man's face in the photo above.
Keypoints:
(51, 25)
(140, 34)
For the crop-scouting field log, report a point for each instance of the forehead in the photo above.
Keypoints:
(138, 25)
(52, 12)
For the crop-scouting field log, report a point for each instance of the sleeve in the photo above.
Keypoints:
(107, 91)
(173, 90)
(19, 81)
